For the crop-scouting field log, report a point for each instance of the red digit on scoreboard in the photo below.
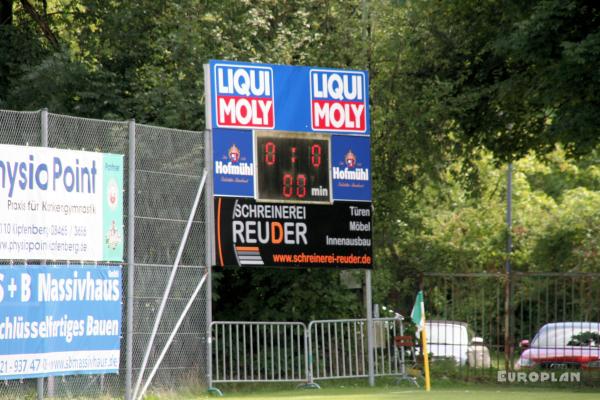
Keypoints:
(270, 150)
(315, 155)
(288, 185)
(301, 186)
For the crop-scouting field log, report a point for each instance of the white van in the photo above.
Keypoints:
(448, 339)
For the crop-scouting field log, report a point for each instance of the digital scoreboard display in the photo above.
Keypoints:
(292, 167)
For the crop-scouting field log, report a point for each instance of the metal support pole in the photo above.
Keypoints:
(130, 260)
(508, 217)
(369, 307)
(507, 287)
(44, 139)
(209, 229)
(172, 335)
(368, 291)
(44, 121)
(163, 302)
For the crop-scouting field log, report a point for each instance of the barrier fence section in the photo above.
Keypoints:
(258, 351)
(338, 349)
(167, 172)
(291, 352)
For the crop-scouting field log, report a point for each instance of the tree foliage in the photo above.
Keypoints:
(457, 89)
(511, 76)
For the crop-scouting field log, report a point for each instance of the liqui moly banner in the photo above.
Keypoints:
(289, 98)
(244, 96)
(60, 204)
(338, 101)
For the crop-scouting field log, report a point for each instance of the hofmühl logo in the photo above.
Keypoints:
(350, 172)
(350, 159)
(232, 164)
(234, 154)
(338, 100)
(244, 96)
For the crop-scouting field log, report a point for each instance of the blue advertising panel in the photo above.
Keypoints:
(351, 168)
(289, 98)
(59, 320)
(233, 163)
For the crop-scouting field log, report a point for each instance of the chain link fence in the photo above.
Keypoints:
(503, 310)
(168, 171)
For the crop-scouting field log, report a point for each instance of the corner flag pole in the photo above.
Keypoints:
(425, 353)
(418, 317)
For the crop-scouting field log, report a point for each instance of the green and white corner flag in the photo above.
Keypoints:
(418, 317)
(418, 311)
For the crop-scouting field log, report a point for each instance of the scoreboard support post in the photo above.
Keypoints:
(209, 228)
(369, 311)
(210, 233)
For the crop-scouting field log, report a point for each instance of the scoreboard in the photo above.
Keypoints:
(291, 163)
(292, 167)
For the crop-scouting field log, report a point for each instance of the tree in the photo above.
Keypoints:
(552, 56)
(509, 76)
(21, 45)
(457, 89)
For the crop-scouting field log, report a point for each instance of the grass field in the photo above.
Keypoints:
(442, 394)
(475, 392)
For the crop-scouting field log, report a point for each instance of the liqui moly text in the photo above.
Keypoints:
(244, 96)
(338, 100)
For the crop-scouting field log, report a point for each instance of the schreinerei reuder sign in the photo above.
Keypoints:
(291, 165)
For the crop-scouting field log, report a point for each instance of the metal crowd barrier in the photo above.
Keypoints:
(338, 349)
(290, 352)
(258, 352)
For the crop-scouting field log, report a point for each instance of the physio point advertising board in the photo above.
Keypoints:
(291, 164)
(60, 204)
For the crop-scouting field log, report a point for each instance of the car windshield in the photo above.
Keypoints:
(441, 333)
(568, 335)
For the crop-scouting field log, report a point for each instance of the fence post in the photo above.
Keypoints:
(508, 270)
(308, 351)
(209, 234)
(209, 229)
(44, 140)
(369, 306)
(506, 321)
(130, 259)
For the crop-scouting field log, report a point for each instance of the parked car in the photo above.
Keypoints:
(450, 340)
(563, 345)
